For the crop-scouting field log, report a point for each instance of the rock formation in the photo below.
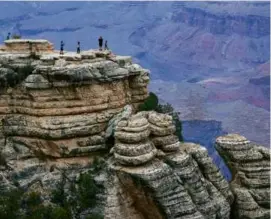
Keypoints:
(172, 187)
(27, 45)
(250, 167)
(162, 130)
(183, 183)
(132, 146)
(58, 112)
(55, 109)
(63, 106)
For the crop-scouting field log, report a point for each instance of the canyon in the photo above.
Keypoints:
(60, 112)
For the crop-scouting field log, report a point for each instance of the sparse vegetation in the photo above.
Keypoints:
(66, 202)
(150, 103)
(10, 204)
(81, 195)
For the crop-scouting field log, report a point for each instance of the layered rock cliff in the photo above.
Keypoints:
(54, 109)
(180, 182)
(59, 112)
(63, 105)
(250, 166)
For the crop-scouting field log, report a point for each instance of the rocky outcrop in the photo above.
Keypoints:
(55, 111)
(162, 130)
(27, 45)
(61, 108)
(174, 187)
(132, 146)
(183, 183)
(136, 137)
(250, 167)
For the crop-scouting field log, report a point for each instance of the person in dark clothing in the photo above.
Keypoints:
(100, 43)
(78, 47)
(61, 47)
(8, 37)
(105, 45)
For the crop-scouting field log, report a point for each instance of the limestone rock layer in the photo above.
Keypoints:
(175, 187)
(133, 146)
(250, 166)
(61, 104)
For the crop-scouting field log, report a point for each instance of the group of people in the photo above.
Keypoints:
(101, 44)
(78, 50)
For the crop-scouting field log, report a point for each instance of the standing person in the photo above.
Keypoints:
(78, 47)
(61, 47)
(100, 43)
(105, 45)
(8, 36)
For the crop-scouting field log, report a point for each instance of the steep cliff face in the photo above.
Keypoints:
(59, 112)
(61, 108)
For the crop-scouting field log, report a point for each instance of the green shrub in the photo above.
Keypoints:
(47, 212)
(82, 195)
(33, 200)
(150, 103)
(67, 204)
(58, 194)
(10, 204)
(60, 213)
(87, 191)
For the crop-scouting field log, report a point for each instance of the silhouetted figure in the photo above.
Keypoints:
(105, 45)
(8, 36)
(61, 47)
(100, 43)
(78, 47)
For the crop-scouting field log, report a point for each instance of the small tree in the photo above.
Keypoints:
(87, 191)
(150, 103)
(10, 204)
